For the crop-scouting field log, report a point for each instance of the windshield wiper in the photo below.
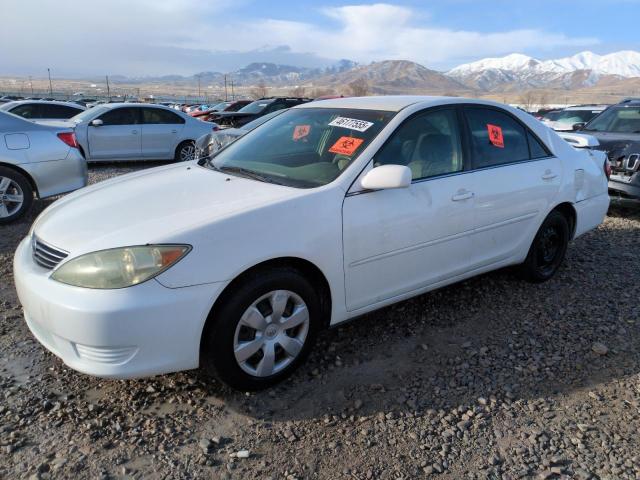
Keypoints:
(245, 172)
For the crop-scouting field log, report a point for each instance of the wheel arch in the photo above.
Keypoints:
(568, 210)
(24, 173)
(305, 267)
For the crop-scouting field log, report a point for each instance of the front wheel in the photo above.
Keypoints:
(262, 331)
(186, 151)
(548, 249)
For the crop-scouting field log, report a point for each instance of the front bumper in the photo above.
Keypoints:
(624, 190)
(132, 332)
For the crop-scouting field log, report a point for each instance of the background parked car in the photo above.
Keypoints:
(255, 109)
(618, 132)
(43, 110)
(135, 131)
(36, 160)
(213, 142)
(572, 118)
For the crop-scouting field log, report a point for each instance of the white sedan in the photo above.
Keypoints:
(328, 211)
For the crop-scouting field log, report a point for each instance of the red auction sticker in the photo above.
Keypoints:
(301, 131)
(495, 135)
(346, 145)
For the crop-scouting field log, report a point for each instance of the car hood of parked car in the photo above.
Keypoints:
(152, 206)
(616, 143)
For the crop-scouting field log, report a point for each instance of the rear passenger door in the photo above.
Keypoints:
(515, 181)
(160, 131)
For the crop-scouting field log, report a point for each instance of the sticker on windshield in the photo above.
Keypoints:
(351, 123)
(301, 131)
(346, 145)
(495, 135)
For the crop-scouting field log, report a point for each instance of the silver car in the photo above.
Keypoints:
(36, 161)
(43, 109)
(130, 131)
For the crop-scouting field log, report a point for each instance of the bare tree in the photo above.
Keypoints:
(359, 87)
(260, 90)
(298, 92)
(321, 92)
(543, 101)
(527, 100)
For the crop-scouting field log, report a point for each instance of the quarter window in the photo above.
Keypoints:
(429, 144)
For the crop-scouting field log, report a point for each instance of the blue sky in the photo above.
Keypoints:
(152, 37)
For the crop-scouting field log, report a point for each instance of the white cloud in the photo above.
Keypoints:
(185, 36)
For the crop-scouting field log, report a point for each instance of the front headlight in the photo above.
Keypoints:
(119, 267)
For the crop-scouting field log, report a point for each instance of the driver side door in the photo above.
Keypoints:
(119, 136)
(400, 242)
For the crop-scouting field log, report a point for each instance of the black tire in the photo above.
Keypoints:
(19, 186)
(548, 249)
(217, 355)
(180, 150)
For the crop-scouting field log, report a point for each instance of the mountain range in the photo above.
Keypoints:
(517, 71)
(512, 73)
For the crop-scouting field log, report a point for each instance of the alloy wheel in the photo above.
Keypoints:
(271, 333)
(11, 197)
(188, 152)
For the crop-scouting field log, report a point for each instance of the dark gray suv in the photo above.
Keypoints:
(618, 131)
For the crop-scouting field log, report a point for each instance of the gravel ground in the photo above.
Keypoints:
(489, 378)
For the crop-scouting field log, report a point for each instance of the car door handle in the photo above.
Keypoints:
(174, 131)
(462, 195)
(549, 175)
(135, 132)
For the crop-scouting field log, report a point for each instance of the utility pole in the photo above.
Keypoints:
(199, 92)
(233, 95)
(108, 90)
(226, 97)
(31, 85)
(50, 85)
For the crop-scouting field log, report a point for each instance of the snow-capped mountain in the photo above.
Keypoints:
(524, 71)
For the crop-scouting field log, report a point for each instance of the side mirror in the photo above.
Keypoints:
(387, 176)
(96, 123)
(578, 126)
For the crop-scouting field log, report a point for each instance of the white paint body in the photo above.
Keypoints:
(373, 247)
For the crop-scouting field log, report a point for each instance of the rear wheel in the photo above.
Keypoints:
(548, 249)
(16, 195)
(262, 331)
(186, 151)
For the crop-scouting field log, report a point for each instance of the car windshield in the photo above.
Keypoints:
(571, 117)
(90, 113)
(255, 107)
(617, 120)
(304, 148)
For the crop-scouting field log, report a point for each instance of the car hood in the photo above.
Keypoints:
(152, 206)
(615, 143)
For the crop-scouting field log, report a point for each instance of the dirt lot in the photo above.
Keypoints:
(489, 378)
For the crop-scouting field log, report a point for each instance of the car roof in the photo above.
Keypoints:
(15, 103)
(392, 103)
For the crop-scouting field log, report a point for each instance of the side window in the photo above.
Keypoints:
(120, 116)
(496, 138)
(59, 111)
(160, 116)
(536, 148)
(27, 111)
(275, 106)
(429, 144)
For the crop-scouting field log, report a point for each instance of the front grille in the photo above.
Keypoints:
(45, 255)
